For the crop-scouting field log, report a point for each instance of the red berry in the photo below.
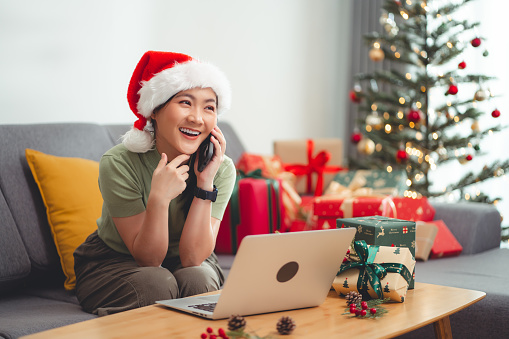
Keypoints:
(462, 65)
(363, 313)
(209, 330)
(204, 336)
(364, 305)
(221, 333)
(353, 310)
(372, 311)
(476, 42)
(213, 336)
(469, 157)
(358, 312)
(453, 89)
(495, 113)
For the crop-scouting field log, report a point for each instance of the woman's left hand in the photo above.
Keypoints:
(205, 179)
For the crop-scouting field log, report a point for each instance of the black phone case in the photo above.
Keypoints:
(205, 153)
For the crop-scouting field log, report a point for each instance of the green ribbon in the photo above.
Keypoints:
(235, 218)
(373, 272)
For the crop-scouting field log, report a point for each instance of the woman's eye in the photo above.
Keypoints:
(211, 108)
(185, 102)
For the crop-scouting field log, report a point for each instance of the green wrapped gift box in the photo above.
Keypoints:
(383, 231)
(393, 183)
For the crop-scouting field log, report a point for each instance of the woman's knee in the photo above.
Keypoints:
(197, 279)
(153, 284)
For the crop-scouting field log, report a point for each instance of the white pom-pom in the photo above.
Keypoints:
(138, 141)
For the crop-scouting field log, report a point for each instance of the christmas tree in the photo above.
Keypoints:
(423, 112)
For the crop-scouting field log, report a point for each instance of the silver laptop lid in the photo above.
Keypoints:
(282, 271)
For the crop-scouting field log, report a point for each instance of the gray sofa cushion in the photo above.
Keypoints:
(475, 225)
(88, 141)
(24, 314)
(14, 262)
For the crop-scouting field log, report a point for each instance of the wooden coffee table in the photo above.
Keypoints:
(424, 305)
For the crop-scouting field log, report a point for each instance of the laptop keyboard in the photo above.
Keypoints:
(205, 307)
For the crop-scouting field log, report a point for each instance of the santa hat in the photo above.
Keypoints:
(159, 76)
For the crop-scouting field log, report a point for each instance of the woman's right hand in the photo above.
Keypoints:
(169, 179)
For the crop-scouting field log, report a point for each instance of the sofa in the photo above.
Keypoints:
(32, 293)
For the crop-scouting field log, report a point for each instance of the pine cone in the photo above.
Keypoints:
(285, 325)
(236, 323)
(353, 297)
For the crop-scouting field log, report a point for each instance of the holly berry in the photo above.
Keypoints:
(355, 97)
(213, 336)
(453, 89)
(363, 313)
(358, 312)
(204, 336)
(353, 309)
(476, 42)
(221, 333)
(209, 330)
(495, 113)
(469, 157)
(372, 311)
(364, 305)
(462, 65)
(356, 137)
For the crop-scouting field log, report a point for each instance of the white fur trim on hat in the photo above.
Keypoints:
(181, 77)
(139, 141)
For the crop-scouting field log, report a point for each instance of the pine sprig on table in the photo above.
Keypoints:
(370, 305)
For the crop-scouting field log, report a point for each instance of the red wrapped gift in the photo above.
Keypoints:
(328, 208)
(445, 244)
(255, 211)
(272, 167)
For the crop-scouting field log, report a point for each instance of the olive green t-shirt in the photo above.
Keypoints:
(125, 179)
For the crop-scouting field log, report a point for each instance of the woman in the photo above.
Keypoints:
(160, 215)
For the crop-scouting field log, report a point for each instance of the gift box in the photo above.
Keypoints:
(379, 272)
(425, 234)
(272, 167)
(383, 231)
(328, 208)
(393, 183)
(445, 244)
(314, 162)
(257, 210)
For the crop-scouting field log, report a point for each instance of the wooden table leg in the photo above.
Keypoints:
(443, 328)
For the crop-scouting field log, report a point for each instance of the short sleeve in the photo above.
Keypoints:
(224, 181)
(120, 186)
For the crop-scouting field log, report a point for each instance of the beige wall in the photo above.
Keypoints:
(72, 60)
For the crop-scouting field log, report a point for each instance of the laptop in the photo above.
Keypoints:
(275, 272)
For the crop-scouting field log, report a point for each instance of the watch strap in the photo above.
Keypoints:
(206, 195)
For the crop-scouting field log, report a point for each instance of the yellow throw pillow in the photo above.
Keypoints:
(73, 202)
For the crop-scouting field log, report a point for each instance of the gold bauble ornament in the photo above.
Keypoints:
(366, 146)
(481, 95)
(376, 54)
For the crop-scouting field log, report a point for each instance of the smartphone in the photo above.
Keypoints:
(205, 153)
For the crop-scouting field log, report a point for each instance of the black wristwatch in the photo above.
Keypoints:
(206, 195)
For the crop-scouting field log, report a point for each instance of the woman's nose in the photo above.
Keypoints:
(195, 115)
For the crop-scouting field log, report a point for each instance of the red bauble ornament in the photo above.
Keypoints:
(453, 89)
(354, 96)
(356, 137)
(414, 115)
(469, 157)
(495, 113)
(401, 155)
(462, 65)
(476, 42)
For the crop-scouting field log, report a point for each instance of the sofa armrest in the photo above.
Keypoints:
(477, 226)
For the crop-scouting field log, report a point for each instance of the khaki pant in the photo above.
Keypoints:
(109, 282)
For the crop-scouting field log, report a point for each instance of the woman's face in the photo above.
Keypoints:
(185, 121)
